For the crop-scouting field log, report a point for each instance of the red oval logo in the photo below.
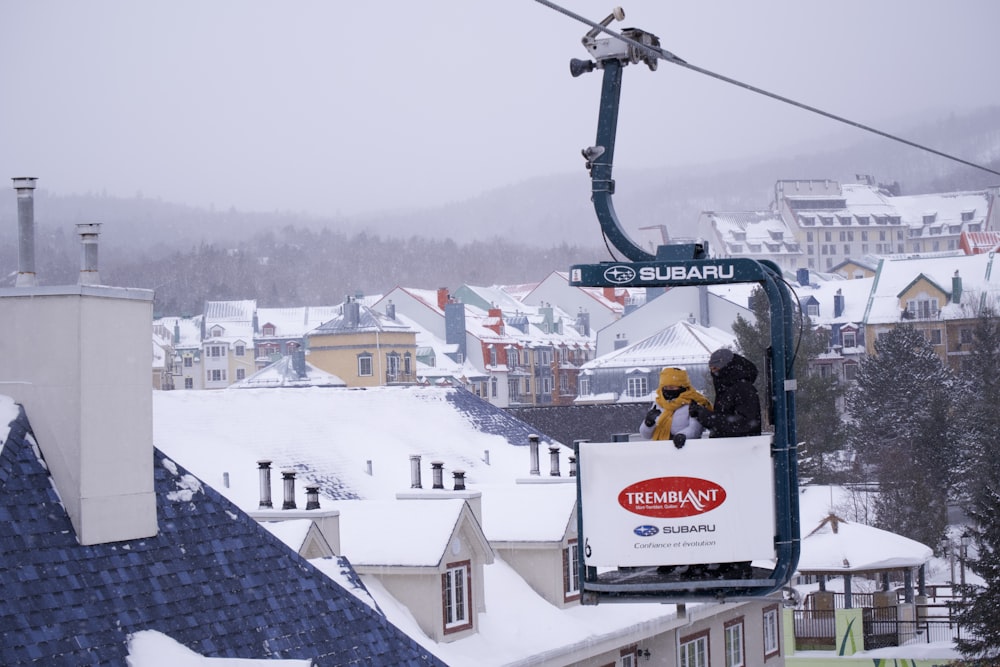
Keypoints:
(672, 497)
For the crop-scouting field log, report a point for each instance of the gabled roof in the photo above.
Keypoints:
(550, 506)
(681, 343)
(282, 373)
(368, 320)
(372, 531)
(211, 579)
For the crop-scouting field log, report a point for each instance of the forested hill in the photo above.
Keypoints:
(516, 234)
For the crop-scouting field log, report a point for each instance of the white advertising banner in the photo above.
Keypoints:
(648, 503)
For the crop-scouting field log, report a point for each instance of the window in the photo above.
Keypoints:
(934, 336)
(770, 631)
(407, 364)
(241, 373)
(217, 375)
(268, 330)
(967, 215)
(392, 365)
(922, 308)
(850, 372)
(189, 383)
(734, 643)
(241, 350)
(812, 310)
(693, 650)
(455, 590)
(216, 351)
(629, 657)
(364, 365)
(637, 387)
(188, 362)
(571, 571)
(493, 387)
(585, 386)
(850, 339)
(493, 356)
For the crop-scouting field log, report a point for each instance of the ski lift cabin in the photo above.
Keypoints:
(643, 507)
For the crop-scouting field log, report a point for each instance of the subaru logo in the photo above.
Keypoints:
(619, 275)
(646, 531)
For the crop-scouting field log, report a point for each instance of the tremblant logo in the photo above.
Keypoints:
(672, 497)
(646, 531)
(619, 274)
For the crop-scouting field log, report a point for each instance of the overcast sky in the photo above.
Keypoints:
(334, 107)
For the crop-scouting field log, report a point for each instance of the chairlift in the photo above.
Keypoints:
(651, 517)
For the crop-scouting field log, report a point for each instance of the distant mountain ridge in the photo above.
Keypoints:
(556, 209)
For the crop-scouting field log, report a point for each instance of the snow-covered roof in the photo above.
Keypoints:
(296, 322)
(681, 343)
(550, 507)
(980, 282)
(282, 373)
(840, 546)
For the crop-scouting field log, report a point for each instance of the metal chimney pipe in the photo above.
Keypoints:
(288, 477)
(459, 476)
(264, 468)
(25, 187)
(437, 473)
(415, 482)
(554, 461)
(88, 232)
(572, 465)
(312, 497)
(533, 450)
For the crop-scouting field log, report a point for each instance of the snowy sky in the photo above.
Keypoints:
(345, 108)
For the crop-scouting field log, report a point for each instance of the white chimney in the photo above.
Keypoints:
(78, 361)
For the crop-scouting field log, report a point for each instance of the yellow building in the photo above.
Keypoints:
(364, 348)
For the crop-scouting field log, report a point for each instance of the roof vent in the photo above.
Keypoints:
(437, 474)
(533, 452)
(415, 482)
(312, 497)
(264, 468)
(288, 478)
(554, 461)
(25, 187)
(459, 476)
(88, 233)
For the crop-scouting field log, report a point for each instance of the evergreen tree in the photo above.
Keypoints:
(819, 428)
(902, 426)
(980, 618)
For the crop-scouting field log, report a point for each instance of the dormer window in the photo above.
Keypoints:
(929, 218)
(826, 219)
(456, 586)
(967, 215)
(739, 236)
(850, 339)
(268, 330)
(812, 310)
(217, 331)
(776, 235)
(807, 220)
(844, 219)
(863, 220)
(571, 571)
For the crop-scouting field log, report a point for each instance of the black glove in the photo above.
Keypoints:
(695, 411)
(651, 416)
(679, 440)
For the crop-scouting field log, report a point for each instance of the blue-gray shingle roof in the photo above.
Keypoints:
(212, 579)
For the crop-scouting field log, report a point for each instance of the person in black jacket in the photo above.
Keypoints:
(736, 414)
(737, 403)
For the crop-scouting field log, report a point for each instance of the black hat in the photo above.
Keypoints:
(720, 358)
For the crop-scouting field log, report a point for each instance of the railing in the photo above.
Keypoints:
(815, 629)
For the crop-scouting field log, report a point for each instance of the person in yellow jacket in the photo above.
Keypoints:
(668, 418)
